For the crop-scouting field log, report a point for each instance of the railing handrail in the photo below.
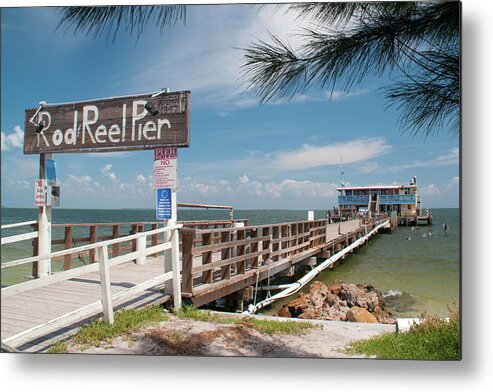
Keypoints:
(205, 206)
(108, 224)
(88, 247)
(205, 231)
(12, 225)
(18, 237)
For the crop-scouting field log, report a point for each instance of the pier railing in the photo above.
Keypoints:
(397, 199)
(353, 200)
(226, 254)
(18, 237)
(67, 236)
(102, 264)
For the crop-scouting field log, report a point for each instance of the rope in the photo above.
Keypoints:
(78, 253)
(256, 289)
(268, 284)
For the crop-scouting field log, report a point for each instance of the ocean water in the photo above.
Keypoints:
(415, 276)
(416, 272)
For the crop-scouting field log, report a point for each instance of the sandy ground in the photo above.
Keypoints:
(197, 338)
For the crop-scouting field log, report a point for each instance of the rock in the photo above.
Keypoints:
(366, 287)
(299, 305)
(383, 317)
(284, 312)
(360, 315)
(336, 313)
(368, 301)
(333, 300)
(318, 293)
(311, 315)
(340, 301)
(335, 289)
(350, 293)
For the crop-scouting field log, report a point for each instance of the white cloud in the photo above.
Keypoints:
(80, 179)
(287, 191)
(140, 178)
(338, 95)
(105, 171)
(368, 167)
(312, 156)
(194, 188)
(211, 64)
(301, 189)
(453, 184)
(430, 190)
(450, 158)
(244, 179)
(106, 168)
(22, 184)
(12, 140)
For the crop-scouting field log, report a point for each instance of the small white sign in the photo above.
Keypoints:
(39, 193)
(165, 168)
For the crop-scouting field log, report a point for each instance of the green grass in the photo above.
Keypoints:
(432, 339)
(59, 348)
(269, 327)
(190, 312)
(99, 331)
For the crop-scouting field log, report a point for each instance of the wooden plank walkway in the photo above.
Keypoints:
(38, 306)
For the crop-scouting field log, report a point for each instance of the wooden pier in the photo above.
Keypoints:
(215, 261)
(220, 262)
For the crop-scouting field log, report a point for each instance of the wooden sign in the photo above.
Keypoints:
(114, 124)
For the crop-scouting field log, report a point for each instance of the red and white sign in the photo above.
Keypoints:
(165, 168)
(39, 193)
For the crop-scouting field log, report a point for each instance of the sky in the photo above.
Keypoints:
(281, 155)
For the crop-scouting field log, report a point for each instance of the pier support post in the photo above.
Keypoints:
(104, 273)
(140, 245)
(175, 265)
(44, 225)
(168, 256)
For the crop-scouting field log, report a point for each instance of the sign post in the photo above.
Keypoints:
(165, 184)
(44, 220)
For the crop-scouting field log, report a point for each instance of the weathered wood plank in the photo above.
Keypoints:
(93, 238)
(225, 255)
(218, 246)
(104, 273)
(187, 263)
(230, 261)
(206, 257)
(18, 237)
(240, 251)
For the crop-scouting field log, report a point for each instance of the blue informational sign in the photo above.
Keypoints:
(50, 171)
(163, 203)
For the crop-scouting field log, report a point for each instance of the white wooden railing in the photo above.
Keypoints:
(108, 301)
(18, 237)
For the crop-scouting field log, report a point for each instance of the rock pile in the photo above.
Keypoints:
(340, 301)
